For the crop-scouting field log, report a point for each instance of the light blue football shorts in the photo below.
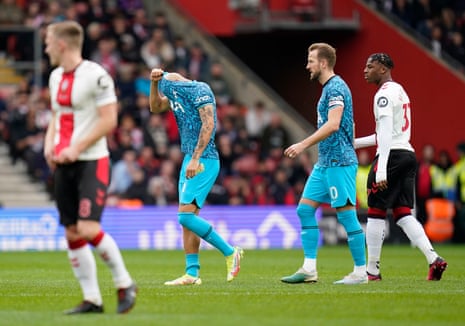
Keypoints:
(334, 185)
(197, 188)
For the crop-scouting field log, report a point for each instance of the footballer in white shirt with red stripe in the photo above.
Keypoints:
(84, 111)
(391, 180)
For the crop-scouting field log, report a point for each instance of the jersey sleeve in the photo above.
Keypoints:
(384, 104)
(335, 99)
(104, 88)
(203, 97)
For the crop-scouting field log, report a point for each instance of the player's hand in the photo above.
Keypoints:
(192, 168)
(294, 150)
(381, 181)
(67, 155)
(156, 74)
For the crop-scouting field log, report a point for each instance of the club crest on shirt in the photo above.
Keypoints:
(64, 85)
(382, 102)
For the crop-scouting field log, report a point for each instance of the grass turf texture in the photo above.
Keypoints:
(36, 287)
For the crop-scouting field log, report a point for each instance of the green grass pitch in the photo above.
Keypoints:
(36, 287)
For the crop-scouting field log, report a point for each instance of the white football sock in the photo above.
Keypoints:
(374, 239)
(84, 267)
(417, 236)
(111, 255)
(360, 270)
(309, 264)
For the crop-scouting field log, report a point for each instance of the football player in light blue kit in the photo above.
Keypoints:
(333, 177)
(194, 107)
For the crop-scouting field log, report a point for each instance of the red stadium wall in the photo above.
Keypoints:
(436, 93)
(216, 17)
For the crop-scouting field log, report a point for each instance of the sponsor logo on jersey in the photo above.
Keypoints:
(104, 81)
(382, 102)
(201, 99)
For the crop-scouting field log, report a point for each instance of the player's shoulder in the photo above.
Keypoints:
(56, 72)
(95, 72)
(338, 84)
(204, 94)
(92, 68)
(390, 87)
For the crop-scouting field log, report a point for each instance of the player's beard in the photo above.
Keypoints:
(315, 76)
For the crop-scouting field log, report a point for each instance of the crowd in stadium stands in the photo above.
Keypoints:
(145, 151)
(441, 22)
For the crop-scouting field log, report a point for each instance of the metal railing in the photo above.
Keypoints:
(30, 65)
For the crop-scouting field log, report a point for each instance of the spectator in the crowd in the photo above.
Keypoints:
(150, 54)
(34, 15)
(54, 12)
(403, 10)
(280, 189)
(94, 32)
(10, 13)
(442, 177)
(364, 164)
(142, 80)
(141, 110)
(459, 182)
(121, 32)
(121, 174)
(421, 11)
(129, 7)
(127, 124)
(218, 194)
(99, 11)
(274, 136)
(125, 86)
(257, 118)
(160, 21)
(119, 142)
(260, 192)
(107, 55)
(140, 26)
(164, 47)
(148, 162)
(168, 171)
(17, 121)
(456, 48)
(423, 182)
(156, 192)
(225, 151)
(155, 135)
(219, 83)
(137, 188)
(199, 66)
(181, 54)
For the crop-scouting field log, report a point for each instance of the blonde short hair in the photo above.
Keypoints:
(69, 31)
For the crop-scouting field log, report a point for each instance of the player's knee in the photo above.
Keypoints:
(186, 219)
(400, 212)
(306, 214)
(349, 220)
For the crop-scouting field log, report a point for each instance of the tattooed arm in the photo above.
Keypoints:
(208, 124)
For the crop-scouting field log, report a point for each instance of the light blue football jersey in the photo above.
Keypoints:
(186, 97)
(337, 149)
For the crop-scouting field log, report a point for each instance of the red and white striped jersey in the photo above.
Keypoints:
(391, 100)
(75, 99)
